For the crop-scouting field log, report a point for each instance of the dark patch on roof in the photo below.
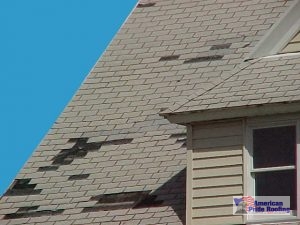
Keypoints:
(79, 177)
(22, 187)
(220, 46)
(144, 5)
(27, 209)
(204, 59)
(125, 200)
(169, 58)
(81, 148)
(47, 168)
(149, 201)
(27, 212)
(120, 197)
(118, 141)
(226, 40)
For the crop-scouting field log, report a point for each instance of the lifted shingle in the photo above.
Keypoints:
(144, 5)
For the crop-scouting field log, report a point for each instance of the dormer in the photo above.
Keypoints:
(244, 134)
(293, 45)
(283, 37)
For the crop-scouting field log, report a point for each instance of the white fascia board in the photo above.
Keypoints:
(233, 113)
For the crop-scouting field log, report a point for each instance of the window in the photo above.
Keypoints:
(273, 164)
(272, 167)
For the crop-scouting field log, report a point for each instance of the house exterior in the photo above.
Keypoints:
(193, 102)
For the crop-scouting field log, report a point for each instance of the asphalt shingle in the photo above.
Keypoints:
(121, 100)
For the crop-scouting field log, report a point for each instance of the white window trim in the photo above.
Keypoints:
(249, 126)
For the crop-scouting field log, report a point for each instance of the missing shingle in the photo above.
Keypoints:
(226, 40)
(169, 58)
(220, 46)
(22, 187)
(47, 168)
(118, 141)
(148, 202)
(125, 200)
(79, 150)
(79, 177)
(91, 209)
(144, 5)
(22, 213)
(204, 59)
(123, 197)
(83, 140)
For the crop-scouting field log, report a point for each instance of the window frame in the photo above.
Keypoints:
(249, 181)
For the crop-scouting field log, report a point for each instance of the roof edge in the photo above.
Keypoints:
(232, 112)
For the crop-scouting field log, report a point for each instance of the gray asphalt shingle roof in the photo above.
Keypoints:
(267, 80)
(110, 138)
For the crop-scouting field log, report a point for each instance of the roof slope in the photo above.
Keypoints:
(266, 80)
(110, 139)
(232, 90)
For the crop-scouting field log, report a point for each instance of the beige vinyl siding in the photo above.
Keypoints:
(217, 181)
(217, 172)
(293, 45)
(215, 220)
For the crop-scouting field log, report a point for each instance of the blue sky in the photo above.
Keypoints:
(46, 50)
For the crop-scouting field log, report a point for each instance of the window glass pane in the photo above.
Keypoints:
(277, 183)
(274, 146)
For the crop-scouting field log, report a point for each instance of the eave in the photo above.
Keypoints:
(232, 112)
